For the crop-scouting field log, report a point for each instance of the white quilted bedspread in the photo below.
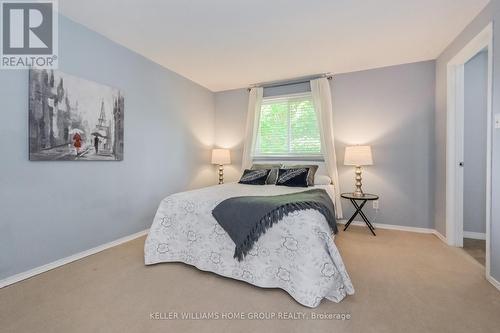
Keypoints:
(297, 254)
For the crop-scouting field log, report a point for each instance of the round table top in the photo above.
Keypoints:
(365, 196)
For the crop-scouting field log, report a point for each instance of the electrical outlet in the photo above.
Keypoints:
(375, 204)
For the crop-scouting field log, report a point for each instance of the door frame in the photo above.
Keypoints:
(455, 140)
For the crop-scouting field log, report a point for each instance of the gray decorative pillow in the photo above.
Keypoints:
(310, 176)
(273, 175)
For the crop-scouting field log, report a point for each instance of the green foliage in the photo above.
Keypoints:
(288, 127)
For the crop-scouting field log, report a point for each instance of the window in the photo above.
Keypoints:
(288, 128)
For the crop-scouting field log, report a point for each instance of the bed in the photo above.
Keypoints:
(297, 254)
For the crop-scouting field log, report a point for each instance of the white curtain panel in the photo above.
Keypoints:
(253, 118)
(322, 100)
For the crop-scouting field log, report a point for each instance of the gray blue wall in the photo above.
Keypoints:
(51, 210)
(475, 116)
(390, 108)
(230, 120)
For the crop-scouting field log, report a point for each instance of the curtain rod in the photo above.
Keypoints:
(289, 82)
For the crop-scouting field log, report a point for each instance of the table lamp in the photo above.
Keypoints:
(358, 156)
(221, 157)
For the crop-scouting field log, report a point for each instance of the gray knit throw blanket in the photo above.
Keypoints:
(245, 219)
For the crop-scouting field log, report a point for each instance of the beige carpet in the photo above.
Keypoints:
(405, 282)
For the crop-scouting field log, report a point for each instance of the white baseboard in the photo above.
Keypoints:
(493, 281)
(391, 227)
(41, 269)
(441, 237)
(474, 235)
(399, 227)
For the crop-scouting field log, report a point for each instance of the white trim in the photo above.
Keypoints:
(45, 268)
(454, 140)
(474, 235)
(399, 228)
(440, 236)
(492, 280)
(41, 269)
(391, 227)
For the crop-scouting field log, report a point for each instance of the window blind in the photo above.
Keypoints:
(288, 128)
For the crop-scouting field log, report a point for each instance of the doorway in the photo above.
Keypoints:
(462, 187)
(474, 160)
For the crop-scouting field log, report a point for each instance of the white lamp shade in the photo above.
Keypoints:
(221, 156)
(358, 155)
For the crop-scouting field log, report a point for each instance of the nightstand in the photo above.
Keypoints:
(359, 208)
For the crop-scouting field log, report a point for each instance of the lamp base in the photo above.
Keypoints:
(358, 192)
(221, 174)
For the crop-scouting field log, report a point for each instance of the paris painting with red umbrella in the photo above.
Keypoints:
(73, 119)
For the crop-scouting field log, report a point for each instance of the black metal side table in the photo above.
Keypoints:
(359, 208)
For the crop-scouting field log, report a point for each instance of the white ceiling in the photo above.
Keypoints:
(226, 44)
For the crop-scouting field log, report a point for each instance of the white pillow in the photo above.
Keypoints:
(322, 180)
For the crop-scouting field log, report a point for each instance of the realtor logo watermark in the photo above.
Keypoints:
(29, 35)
